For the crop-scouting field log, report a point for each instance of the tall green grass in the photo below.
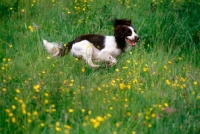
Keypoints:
(154, 88)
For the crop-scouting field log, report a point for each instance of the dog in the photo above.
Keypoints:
(98, 48)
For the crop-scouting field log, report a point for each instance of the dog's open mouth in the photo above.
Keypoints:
(131, 42)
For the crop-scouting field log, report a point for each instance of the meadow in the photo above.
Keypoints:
(153, 89)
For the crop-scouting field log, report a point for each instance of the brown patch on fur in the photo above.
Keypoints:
(63, 51)
(122, 31)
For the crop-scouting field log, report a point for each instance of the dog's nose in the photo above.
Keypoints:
(137, 38)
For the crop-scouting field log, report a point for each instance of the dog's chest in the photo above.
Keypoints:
(111, 46)
(113, 51)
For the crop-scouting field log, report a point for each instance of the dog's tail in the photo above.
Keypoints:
(55, 49)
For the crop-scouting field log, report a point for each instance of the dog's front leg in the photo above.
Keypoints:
(108, 59)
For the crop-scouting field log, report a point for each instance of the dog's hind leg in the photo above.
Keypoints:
(84, 49)
(88, 56)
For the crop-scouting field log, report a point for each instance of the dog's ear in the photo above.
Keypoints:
(129, 21)
(120, 31)
(123, 29)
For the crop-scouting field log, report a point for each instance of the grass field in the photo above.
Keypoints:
(153, 89)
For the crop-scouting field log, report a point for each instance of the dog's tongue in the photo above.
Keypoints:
(131, 42)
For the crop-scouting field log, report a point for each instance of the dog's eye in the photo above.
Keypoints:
(129, 31)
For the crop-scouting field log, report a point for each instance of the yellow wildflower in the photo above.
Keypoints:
(153, 115)
(96, 124)
(128, 113)
(179, 58)
(17, 91)
(35, 113)
(139, 114)
(29, 120)
(195, 83)
(124, 67)
(4, 89)
(147, 117)
(169, 62)
(83, 70)
(122, 85)
(58, 129)
(13, 107)
(46, 94)
(13, 120)
(3, 68)
(53, 110)
(36, 88)
(92, 120)
(83, 110)
(165, 104)
(117, 124)
(71, 110)
(133, 132)
(117, 70)
(149, 125)
(10, 114)
(42, 124)
(57, 123)
(46, 101)
(7, 110)
(99, 118)
(145, 69)
(89, 112)
(67, 127)
(31, 28)
(167, 82)
(28, 113)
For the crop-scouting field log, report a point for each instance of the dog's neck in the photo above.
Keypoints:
(121, 43)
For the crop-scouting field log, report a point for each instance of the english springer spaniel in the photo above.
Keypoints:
(98, 48)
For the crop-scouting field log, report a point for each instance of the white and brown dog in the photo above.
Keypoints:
(98, 48)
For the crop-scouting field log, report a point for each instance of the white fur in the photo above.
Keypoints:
(132, 37)
(83, 49)
(88, 52)
(52, 48)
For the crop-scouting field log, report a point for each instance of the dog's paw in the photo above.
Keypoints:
(112, 60)
(109, 64)
(96, 66)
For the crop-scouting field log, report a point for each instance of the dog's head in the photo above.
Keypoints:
(123, 29)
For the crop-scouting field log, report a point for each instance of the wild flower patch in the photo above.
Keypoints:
(153, 89)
